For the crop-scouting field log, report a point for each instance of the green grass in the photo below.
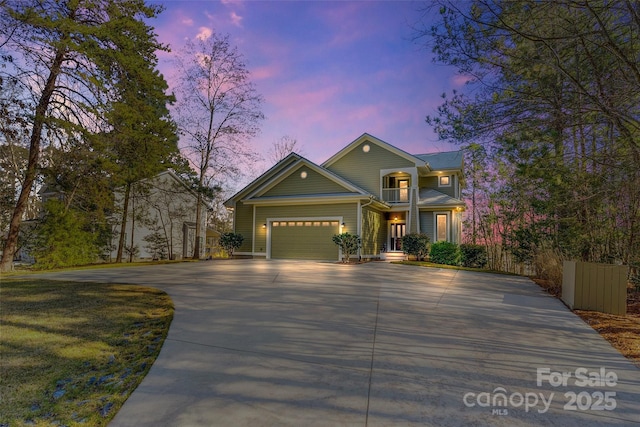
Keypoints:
(72, 353)
(33, 269)
(452, 267)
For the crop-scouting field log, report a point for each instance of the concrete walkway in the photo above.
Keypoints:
(283, 343)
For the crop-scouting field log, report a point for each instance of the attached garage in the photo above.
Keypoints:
(308, 238)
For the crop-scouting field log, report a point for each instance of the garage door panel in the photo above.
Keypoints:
(310, 239)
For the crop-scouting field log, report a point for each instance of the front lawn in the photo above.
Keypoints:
(72, 353)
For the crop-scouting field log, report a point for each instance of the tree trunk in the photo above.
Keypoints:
(133, 227)
(196, 244)
(11, 243)
(123, 224)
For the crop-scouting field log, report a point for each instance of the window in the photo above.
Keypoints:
(442, 226)
(444, 181)
(403, 193)
(396, 187)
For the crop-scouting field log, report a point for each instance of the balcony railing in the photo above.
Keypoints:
(395, 195)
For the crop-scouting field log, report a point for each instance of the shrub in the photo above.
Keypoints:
(416, 244)
(634, 276)
(445, 253)
(348, 243)
(230, 242)
(63, 239)
(548, 264)
(156, 245)
(474, 256)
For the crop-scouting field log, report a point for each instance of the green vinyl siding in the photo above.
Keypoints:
(363, 169)
(427, 219)
(244, 225)
(374, 231)
(432, 182)
(313, 183)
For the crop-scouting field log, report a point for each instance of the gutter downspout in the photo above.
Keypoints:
(361, 221)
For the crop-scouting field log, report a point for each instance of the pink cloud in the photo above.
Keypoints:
(460, 80)
(204, 33)
(365, 112)
(301, 98)
(236, 19)
(266, 72)
(345, 21)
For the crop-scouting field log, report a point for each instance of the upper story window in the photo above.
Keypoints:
(395, 188)
(444, 181)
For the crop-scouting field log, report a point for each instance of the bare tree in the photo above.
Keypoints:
(283, 147)
(218, 111)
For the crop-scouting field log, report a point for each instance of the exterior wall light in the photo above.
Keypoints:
(264, 225)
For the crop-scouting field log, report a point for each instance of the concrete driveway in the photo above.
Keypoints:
(283, 343)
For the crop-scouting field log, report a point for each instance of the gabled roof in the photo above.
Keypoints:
(176, 178)
(255, 190)
(434, 198)
(274, 170)
(372, 139)
(348, 186)
(447, 160)
(258, 190)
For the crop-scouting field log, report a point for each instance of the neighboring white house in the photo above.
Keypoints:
(161, 221)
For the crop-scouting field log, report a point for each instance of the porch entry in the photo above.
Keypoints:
(398, 230)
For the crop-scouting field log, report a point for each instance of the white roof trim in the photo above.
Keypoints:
(372, 139)
(262, 179)
(310, 199)
(290, 169)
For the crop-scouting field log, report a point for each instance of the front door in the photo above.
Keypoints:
(397, 232)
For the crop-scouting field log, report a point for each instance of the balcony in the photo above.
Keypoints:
(395, 195)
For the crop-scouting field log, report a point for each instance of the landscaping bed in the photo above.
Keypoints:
(623, 332)
(72, 353)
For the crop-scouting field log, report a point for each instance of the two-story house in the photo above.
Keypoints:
(369, 188)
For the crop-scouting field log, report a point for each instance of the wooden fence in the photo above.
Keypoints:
(597, 287)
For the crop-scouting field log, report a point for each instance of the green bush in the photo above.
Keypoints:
(416, 244)
(230, 242)
(445, 253)
(63, 239)
(156, 245)
(474, 256)
(348, 243)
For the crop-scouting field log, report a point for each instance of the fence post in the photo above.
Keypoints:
(569, 283)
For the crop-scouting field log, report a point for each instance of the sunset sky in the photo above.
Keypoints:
(328, 70)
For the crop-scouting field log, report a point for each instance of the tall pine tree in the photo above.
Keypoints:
(73, 57)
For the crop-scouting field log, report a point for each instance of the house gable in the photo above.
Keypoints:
(305, 180)
(362, 160)
(263, 179)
